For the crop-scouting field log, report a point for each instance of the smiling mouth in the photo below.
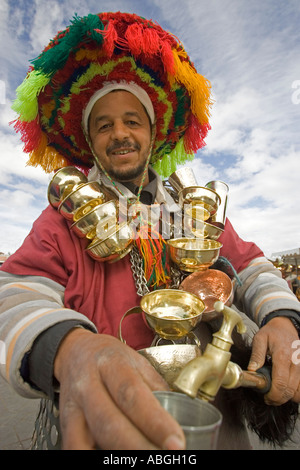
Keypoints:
(122, 152)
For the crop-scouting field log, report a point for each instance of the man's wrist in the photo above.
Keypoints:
(65, 349)
(292, 315)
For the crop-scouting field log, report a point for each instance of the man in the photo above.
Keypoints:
(110, 94)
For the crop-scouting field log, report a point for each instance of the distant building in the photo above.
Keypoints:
(288, 256)
(288, 262)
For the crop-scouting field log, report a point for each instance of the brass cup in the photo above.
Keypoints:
(182, 178)
(201, 196)
(210, 286)
(193, 254)
(117, 244)
(79, 197)
(196, 211)
(222, 189)
(172, 313)
(200, 228)
(63, 182)
(91, 214)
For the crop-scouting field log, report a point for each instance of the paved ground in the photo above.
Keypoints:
(17, 416)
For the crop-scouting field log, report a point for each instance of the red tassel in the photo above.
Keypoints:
(110, 38)
(167, 57)
(151, 41)
(134, 37)
(194, 135)
(30, 134)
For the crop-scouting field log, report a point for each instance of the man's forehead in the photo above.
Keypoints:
(131, 87)
(119, 100)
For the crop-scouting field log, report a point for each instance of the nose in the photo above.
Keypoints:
(119, 131)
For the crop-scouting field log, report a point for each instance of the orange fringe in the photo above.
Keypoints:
(153, 252)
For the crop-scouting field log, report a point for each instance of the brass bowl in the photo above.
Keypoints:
(117, 244)
(168, 360)
(198, 195)
(79, 197)
(193, 254)
(89, 216)
(63, 182)
(172, 313)
(200, 228)
(210, 286)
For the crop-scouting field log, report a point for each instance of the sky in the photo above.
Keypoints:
(250, 52)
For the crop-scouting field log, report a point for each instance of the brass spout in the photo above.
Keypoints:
(236, 377)
(205, 375)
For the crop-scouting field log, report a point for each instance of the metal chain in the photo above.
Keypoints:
(177, 276)
(138, 272)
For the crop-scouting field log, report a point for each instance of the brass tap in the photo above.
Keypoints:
(204, 375)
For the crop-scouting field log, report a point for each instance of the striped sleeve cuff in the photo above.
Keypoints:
(28, 307)
(264, 291)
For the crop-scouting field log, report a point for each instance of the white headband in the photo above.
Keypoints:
(108, 87)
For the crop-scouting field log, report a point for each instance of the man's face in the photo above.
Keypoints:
(120, 133)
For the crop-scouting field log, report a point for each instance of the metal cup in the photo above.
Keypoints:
(172, 313)
(199, 420)
(169, 359)
(64, 181)
(193, 254)
(79, 197)
(115, 246)
(222, 189)
(182, 178)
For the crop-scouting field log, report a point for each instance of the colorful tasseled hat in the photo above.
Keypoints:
(96, 50)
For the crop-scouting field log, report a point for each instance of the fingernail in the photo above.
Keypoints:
(252, 365)
(174, 442)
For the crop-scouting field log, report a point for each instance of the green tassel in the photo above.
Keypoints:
(182, 106)
(168, 163)
(55, 58)
(26, 104)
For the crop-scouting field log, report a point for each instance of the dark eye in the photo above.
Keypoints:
(132, 123)
(103, 127)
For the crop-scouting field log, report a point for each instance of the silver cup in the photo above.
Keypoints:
(222, 189)
(182, 178)
(199, 419)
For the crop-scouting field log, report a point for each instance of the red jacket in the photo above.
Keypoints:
(103, 292)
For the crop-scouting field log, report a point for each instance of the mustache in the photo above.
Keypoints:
(124, 144)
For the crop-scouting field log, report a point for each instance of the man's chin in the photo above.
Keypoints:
(126, 176)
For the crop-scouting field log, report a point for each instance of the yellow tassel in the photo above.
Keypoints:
(197, 85)
(91, 55)
(48, 108)
(47, 157)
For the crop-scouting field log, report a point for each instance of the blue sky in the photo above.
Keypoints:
(249, 50)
